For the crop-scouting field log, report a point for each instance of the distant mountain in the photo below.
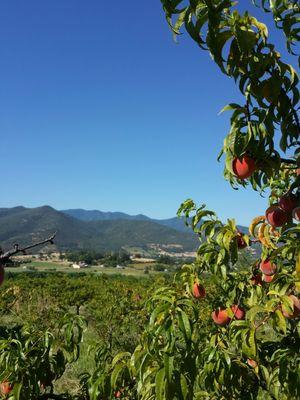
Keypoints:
(25, 225)
(95, 215)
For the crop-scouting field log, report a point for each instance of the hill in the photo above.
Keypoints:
(96, 215)
(25, 225)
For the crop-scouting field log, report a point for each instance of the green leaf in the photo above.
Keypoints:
(169, 366)
(160, 384)
(184, 387)
(184, 324)
(119, 357)
(231, 106)
(280, 321)
(115, 374)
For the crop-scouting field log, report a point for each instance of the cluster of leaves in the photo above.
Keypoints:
(43, 318)
(184, 352)
(268, 84)
(91, 257)
(30, 360)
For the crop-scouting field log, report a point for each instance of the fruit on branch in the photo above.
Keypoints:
(256, 280)
(2, 273)
(220, 317)
(238, 312)
(241, 243)
(276, 216)
(118, 393)
(288, 202)
(137, 297)
(46, 381)
(267, 267)
(296, 311)
(267, 278)
(296, 213)
(6, 388)
(251, 363)
(199, 291)
(243, 168)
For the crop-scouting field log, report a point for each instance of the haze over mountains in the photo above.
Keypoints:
(80, 229)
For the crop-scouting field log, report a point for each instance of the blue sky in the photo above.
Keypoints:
(100, 109)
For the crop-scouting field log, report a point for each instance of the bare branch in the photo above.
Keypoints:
(17, 249)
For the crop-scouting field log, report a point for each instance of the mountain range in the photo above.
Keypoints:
(95, 230)
(96, 215)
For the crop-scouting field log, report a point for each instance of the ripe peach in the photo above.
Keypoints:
(137, 297)
(267, 278)
(288, 202)
(276, 216)
(6, 387)
(296, 311)
(251, 363)
(220, 317)
(256, 280)
(296, 213)
(199, 291)
(243, 168)
(267, 268)
(239, 312)
(241, 244)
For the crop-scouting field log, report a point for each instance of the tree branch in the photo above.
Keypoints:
(6, 256)
(288, 161)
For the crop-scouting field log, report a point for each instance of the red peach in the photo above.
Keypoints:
(6, 387)
(220, 317)
(267, 268)
(267, 278)
(288, 202)
(256, 280)
(199, 291)
(243, 168)
(239, 312)
(251, 363)
(276, 216)
(137, 297)
(296, 213)
(241, 244)
(296, 311)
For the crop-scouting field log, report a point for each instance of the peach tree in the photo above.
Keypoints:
(240, 338)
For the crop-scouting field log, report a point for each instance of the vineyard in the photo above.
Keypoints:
(224, 327)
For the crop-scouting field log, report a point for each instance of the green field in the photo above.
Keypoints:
(136, 269)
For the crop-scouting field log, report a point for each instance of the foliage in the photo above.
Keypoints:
(187, 350)
(228, 326)
(89, 257)
(34, 308)
(31, 360)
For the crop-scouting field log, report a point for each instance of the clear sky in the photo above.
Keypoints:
(100, 109)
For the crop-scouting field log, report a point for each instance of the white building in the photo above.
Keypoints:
(80, 265)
